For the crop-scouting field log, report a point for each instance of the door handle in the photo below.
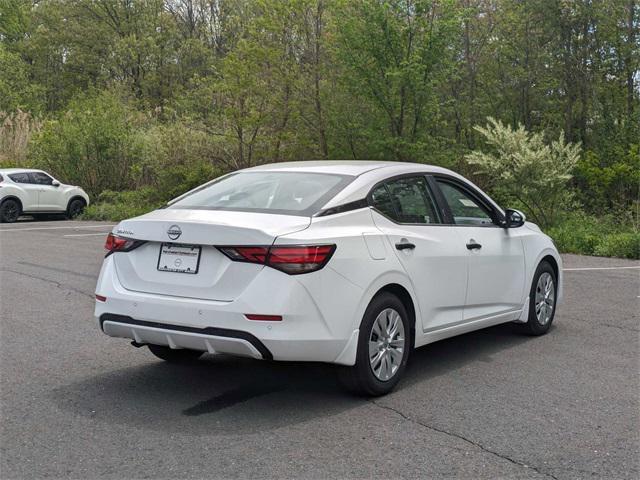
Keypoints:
(405, 246)
(473, 245)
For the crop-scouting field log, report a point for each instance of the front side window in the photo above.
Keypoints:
(19, 177)
(289, 193)
(464, 208)
(405, 200)
(41, 178)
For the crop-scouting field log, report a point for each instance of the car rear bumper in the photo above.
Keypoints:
(208, 339)
(305, 333)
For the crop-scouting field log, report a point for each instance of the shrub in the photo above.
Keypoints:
(116, 206)
(94, 144)
(625, 245)
(172, 182)
(522, 167)
(586, 235)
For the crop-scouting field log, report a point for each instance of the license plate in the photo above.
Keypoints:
(179, 258)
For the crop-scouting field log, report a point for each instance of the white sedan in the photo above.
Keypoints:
(351, 263)
(34, 192)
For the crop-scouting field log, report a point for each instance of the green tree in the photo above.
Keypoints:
(392, 54)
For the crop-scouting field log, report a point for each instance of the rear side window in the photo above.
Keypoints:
(406, 200)
(41, 178)
(19, 177)
(289, 193)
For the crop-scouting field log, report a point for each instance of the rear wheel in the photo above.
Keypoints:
(383, 348)
(9, 211)
(75, 208)
(542, 301)
(174, 355)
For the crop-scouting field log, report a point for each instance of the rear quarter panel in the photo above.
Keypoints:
(11, 190)
(359, 267)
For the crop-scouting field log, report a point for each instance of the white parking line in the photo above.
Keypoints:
(598, 268)
(84, 234)
(75, 227)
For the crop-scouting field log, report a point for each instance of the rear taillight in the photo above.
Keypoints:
(246, 254)
(115, 243)
(291, 259)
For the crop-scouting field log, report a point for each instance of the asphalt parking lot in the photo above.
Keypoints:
(78, 404)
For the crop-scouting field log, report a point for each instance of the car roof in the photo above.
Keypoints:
(341, 167)
(367, 173)
(7, 171)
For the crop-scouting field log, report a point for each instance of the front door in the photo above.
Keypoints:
(433, 255)
(496, 255)
(49, 196)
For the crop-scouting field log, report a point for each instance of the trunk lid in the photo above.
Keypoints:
(217, 277)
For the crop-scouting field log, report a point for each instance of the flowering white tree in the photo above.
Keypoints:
(522, 167)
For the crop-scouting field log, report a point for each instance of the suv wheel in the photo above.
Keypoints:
(9, 211)
(383, 348)
(75, 208)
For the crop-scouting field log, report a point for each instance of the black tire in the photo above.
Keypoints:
(534, 325)
(75, 208)
(175, 355)
(361, 379)
(9, 211)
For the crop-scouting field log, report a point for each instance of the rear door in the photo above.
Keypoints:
(29, 188)
(433, 255)
(496, 257)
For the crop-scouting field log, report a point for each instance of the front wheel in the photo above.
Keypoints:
(383, 348)
(542, 301)
(9, 211)
(172, 355)
(75, 208)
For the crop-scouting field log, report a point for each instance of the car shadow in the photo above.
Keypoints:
(232, 395)
(41, 218)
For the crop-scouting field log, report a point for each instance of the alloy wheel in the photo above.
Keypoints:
(386, 344)
(545, 298)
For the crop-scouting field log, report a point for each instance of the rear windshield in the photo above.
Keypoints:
(288, 193)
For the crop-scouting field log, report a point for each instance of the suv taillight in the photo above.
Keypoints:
(291, 259)
(115, 243)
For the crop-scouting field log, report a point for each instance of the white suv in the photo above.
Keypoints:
(34, 192)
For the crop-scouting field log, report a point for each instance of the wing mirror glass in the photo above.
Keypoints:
(55, 183)
(513, 218)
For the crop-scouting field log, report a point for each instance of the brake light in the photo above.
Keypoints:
(115, 243)
(246, 254)
(291, 259)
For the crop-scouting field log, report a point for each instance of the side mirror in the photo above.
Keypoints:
(55, 183)
(513, 218)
